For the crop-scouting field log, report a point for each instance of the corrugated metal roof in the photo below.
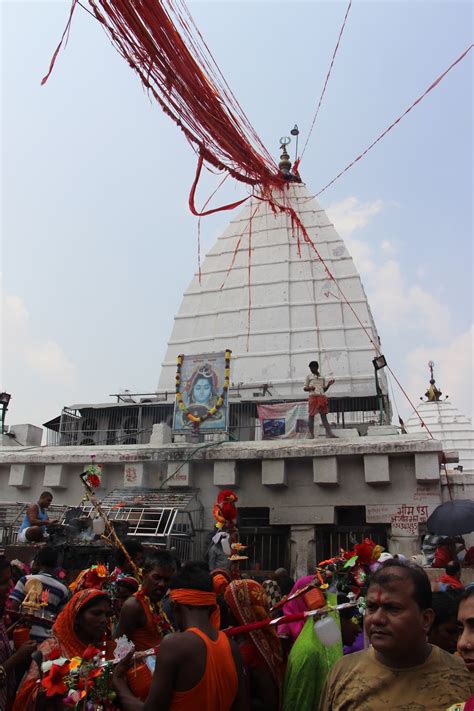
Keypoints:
(150, 498)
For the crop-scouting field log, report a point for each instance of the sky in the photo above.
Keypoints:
(98, 244)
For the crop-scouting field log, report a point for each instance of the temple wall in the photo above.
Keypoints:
(303, 483)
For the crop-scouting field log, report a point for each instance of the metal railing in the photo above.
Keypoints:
(132, 423)
(268, 548)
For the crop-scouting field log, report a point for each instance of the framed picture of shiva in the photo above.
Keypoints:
(202, 384)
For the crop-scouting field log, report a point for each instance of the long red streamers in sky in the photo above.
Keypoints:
(162, 45)
(394, 123)
(327, 78)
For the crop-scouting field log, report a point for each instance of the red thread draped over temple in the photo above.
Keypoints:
(160, 42)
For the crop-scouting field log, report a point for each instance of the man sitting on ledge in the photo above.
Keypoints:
(33, 527)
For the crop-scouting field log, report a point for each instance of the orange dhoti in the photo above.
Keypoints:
(318, 404)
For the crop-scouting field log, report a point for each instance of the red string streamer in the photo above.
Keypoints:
(251, 626)
(192, 194)
(159, 42)
(199, 223)
(64, 34)
(249, 270)
(327, 79)
(420, 98)
(234, 255)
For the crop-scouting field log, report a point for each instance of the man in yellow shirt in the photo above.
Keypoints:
(401, 671)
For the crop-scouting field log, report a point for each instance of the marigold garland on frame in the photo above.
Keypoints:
(197, 420)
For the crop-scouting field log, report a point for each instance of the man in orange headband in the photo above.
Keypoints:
(198, 668)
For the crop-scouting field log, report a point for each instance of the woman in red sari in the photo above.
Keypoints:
(83, 622)
(261, 649)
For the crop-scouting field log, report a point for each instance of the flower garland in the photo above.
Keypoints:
(94, 577)
(87, 678)
(197, 420)
(160, 619)
(94, 474)
(350, 570)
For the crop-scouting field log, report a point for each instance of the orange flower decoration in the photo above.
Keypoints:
(93, 674)
(90, 652)
(53, 682)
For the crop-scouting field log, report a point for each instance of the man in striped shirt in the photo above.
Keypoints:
(58, 593)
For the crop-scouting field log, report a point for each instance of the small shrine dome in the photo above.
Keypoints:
(446, 423)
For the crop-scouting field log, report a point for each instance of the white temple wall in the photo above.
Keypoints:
(299, 482)
(303, 484)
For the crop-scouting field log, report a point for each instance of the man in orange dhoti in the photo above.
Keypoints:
(316, 386)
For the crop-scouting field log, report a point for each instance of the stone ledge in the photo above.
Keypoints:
(272, 449)
(225, 473)
(325, 471)
(376, 469)
(274, 472)
(21, 475)
(426, 466)
(55, 476)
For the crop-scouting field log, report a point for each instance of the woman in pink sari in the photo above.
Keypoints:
(290, 631)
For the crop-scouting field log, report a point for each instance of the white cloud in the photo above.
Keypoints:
(20, 348)
(453, 369)
(413, 322)
(401, 306)
(389, 248)
(350, 214)
(15, 314)
(397, 304)
(421, 272)
(50, 361)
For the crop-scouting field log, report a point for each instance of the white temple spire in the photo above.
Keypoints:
(296, 312)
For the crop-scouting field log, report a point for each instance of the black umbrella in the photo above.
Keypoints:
(452, 518)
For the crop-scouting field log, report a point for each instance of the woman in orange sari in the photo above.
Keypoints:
(261, 649)
(83, 622)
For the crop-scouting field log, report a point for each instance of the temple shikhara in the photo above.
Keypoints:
(276, 309)
(261, 529)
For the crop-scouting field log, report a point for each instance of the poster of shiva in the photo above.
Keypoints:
(202, 385)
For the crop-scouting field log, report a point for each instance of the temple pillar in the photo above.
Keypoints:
(407, 545)
(302, 554)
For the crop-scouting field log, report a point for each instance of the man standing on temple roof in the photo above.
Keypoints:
(316, 386)
(401, 670)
